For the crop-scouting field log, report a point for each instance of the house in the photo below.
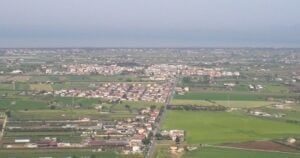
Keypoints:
(22, 140)
(16, 72)
(176, 133)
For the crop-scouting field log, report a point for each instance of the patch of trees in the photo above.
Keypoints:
(8, 113)
(196, 108)
(158, 136)
(292, 121)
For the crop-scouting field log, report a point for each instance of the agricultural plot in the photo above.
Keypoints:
(66, 115)
(211, 152)
(76, 153)
(291, 114)
(244, 104)
(275, 88)
(191, 102)
(134, 106)
(6, 86)
(22, 103)
(45, 78)
(242, 96)
(209, 95)
(72, 85)
(20, 86)
(41, 87)
(222, 127)
(231, 104)
(34, 136)
(18, 78)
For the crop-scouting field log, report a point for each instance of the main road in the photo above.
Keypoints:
(157, 126)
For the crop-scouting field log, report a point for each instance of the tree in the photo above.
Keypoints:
(8, 113)
(93, 156)
(158, 136)
(146, 141)
(150, 135)
(152, 107)
(128, 107)
(186, 79)
(177, 140)
(52, 107)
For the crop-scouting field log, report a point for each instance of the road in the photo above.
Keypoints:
(3, 127)
(150, 152)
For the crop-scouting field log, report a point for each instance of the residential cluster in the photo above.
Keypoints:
(166, 71)
(159, 72)
(129, 135)
(121, 91)
(83, 69)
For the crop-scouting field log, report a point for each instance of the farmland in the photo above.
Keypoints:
(76, 153)
(41, 87)
(211, 152)
(233, 104)
(221, 127)
(241, 96)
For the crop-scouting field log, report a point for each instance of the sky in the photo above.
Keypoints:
(149, 23)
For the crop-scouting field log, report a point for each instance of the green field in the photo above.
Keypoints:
(21, 103)
(221, 127)
(67, 136)
(6, 86)
(41, 87)
(244, 104)
(210, 152)
(234, 104)
(72, 85)
(191, 102)
(237, 96)
(42, 102)
(66, 114)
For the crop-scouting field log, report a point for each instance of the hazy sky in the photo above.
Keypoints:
(153, 23)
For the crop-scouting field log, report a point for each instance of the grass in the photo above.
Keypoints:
(210, 152)
(221, 127)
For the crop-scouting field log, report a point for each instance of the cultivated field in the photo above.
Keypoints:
(222, 127)
(210, 152)
(234, 104)
(242, 96)
(41, 87)
(59, 153)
